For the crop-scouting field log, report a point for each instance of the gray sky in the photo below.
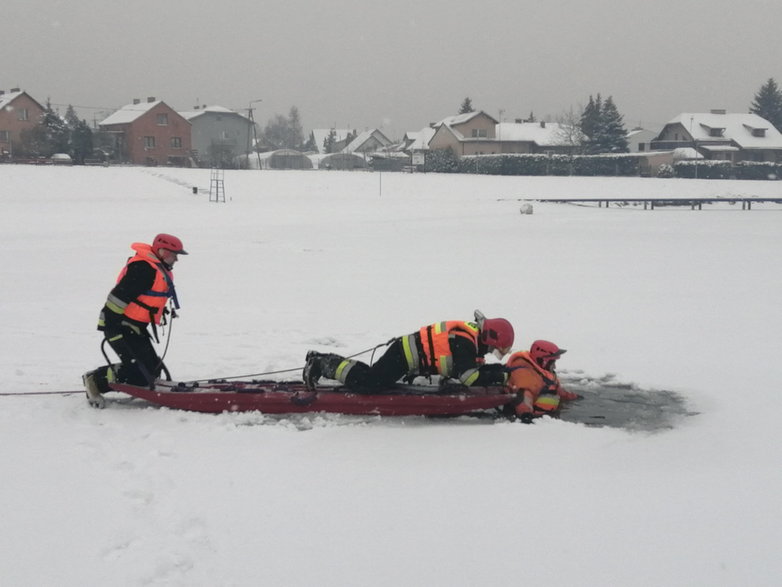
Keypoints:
(394, 65)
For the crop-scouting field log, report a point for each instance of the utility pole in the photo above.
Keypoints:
(254, 133)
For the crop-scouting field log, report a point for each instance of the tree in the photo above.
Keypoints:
(603, 127)
(768, 103)
(612, 135)
(466, 106)
(284, 132)
(329, 143)
(80, 136)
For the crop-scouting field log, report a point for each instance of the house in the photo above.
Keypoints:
(472, 133)
(342, 136)
(218, 135)
(477, 133)
(149, 133)
(19, 112)
(721, 135)
(368, 141)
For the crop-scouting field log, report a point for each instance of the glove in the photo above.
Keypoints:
(525, 413)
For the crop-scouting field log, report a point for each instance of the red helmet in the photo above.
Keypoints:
(169, 242)
(543, 351)
(497, 333)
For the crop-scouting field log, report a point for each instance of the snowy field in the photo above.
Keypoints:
(672, 299)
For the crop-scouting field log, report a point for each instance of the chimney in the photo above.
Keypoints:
(15, 90)
(719, 111)
(150, 99)
(2, 92)
(136, 101)
(519, 121)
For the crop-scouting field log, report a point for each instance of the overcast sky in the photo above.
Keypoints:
(394, 65)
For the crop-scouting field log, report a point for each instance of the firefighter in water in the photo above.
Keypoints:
(138, 300)
(451, 349)
(532, 375)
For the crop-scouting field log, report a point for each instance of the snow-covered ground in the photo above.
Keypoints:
(131, 495)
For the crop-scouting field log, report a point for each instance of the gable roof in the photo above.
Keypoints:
(419, 140)
(190, 114)
(736, 127)
(8, 97)
(129, 113)
(365, 137)
(462, 118)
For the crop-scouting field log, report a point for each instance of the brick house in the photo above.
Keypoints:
(18, 112)
(149, 133)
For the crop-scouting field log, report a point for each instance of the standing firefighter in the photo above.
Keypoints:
(140, 298)
(451, 349)
(533, 376)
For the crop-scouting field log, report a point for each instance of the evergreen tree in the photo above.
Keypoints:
(612, 135)
(603, 127)
(329, 143)
(590, 122)
(768, 103)
(466, 106)
(80, 136)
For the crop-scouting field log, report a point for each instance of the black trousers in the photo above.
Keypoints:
(139, 362)
(386, 371)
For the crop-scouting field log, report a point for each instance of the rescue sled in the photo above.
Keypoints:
(272, 397)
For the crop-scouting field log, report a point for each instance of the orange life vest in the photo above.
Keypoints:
(148, 307)
(436, 345)
(527, 376)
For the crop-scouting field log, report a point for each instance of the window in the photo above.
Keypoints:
(23, 114)
(176, 142)
(5, 136)
(758, 132)
(162, 119)
(641, 147)
(149, 142)
(479, 133)
(716, 132)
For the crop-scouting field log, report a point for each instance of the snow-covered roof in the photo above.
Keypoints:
(737, 127)
(461, 118)
(207, 109)
(367, 135)
(548, 134)
(420, 139)
(9, 97)
(130, 112)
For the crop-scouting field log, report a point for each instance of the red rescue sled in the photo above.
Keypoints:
(293, 398)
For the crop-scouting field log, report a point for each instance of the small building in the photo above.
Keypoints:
(218, 135)
(279, 159)
(150, 133)
(723, 136)
(344, 161)
(19, 113)
(472, 133)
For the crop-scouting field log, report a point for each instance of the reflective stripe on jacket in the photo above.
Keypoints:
(436, 344)
(148, 307)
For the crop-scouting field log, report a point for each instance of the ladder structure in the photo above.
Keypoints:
(217, 186)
